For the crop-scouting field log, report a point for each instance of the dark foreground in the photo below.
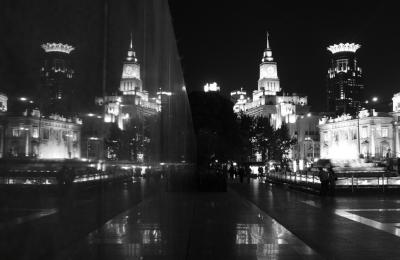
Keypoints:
(140, 220)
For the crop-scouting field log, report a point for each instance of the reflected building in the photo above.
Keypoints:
(133, 101)
(345, 87)
(57, 88)
(29, 134)
(266, 101)
(149, 115)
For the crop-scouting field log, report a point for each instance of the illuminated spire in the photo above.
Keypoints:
(131, 52)
(268, 52)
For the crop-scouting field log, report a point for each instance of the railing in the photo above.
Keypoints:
(354, 180)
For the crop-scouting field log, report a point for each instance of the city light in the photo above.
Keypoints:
(57, 47)
(211, 87)
(344, 47)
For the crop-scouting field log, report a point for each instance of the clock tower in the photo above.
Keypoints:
(269, 81)
(130, 81)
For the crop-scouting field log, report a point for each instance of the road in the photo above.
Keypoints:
(140, 220)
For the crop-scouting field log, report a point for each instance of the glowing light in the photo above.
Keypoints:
(167, 93)
(91, 115)
(23, 99)
(211, 87)
(309, 114)
(57, 47)
(344, 47)
(375, 99)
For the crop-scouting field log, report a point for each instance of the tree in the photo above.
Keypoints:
(216, 127)
(283, 143)
(263, 137)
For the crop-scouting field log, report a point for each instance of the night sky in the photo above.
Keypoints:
(223, 41)
(218, 41)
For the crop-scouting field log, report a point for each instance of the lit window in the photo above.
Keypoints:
(16, 132)
(35, 132)
(341, 64)
(385, 132)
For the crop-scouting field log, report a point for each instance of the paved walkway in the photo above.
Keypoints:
(192, 226)
(344, 227)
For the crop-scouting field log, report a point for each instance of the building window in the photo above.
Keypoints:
(16, 132)
(341, 64)
(46, 133)
(35, 132)
(385, 132)
(364, 132)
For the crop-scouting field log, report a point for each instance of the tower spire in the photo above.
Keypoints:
(268, 52)
(131, 52)
(131, 44)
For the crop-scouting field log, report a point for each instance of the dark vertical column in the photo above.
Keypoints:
(105, 48)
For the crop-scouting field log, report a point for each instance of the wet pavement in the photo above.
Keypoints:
(250, 221)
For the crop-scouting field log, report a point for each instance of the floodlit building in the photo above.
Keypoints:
(266, 101)
(345, 87)
(307, 148)
(370, 135)
(134, 101)
(30, 134)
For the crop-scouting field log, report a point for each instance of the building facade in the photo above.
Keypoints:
(134, 101)
(370, 135)
(345, 87)
(57, 88)
(307, 148)
(265, 101)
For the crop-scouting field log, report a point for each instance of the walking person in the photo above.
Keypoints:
(324, 179)
(241, 173)
(260, 172)
(332, 181)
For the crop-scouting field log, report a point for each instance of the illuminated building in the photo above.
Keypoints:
(56, 93)
(266, 102)
(370, 135)
(239, 99)
(134, 102)
(30, 134)
(345, 85)
(3, 102)
(307, 148)
(211, 87)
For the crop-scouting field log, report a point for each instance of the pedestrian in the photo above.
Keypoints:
(248, 173)
(260, 172)
(332, 181)
(231, 171)
(241, 173)
(324, 179)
